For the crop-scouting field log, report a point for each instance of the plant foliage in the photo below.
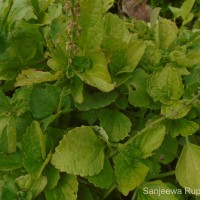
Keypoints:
(95, 106)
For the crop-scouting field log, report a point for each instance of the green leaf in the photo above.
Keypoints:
(32, 76)
(44, 101)
(5, 106)
(24, 182)
(9, 189)
(91, 22)
(183, 127)
(33, 146)
(76, 89)
(118, 128)
(97, 100)
(149, 140)
(9, 162)
(98, 76)
(116, 35)
(105, 178)
(188, 162)
(189, 59)
(12, 135)
(67, 188)
(152, 191)
(177, 109)
(38, 186)
(52, 175)
(165, 153)
(83, 152)
(20, 100)
(165, 85)
(21, 9)
(126, 59)
(166, 33)
(138, 96)
(106, 5)
(129, 169)
(186, 8)
(26, 41)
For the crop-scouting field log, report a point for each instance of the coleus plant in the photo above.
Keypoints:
(93, 106)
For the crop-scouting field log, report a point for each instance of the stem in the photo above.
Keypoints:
(108, 192)
(134, 195)
(170, 173)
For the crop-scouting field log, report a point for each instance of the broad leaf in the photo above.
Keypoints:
(149, 140)
(12, 135)
(126, 59)
(33, 145)
(118, 128)
(83, 151)
(165, 85)
(130, 171)
(188, 162)
(138, 96)
(67, 188)
(105, 178)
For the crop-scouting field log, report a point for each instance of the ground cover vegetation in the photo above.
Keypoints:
(96, 105)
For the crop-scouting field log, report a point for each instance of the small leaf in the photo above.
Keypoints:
(188, 162)
(139, 97)
(38, 186)
(98, 75)
(165, 153)
(66, 189)
(117, 128)
(165, 85)
(83, 152)
(33, 146)
(106, 4)
(91, 22)
(126, 59)
(178, 109)
(44, 101)
(116, 35)
(130, 171)
(166, 33)
(76, 89)
(183, 127)
(31, 76)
